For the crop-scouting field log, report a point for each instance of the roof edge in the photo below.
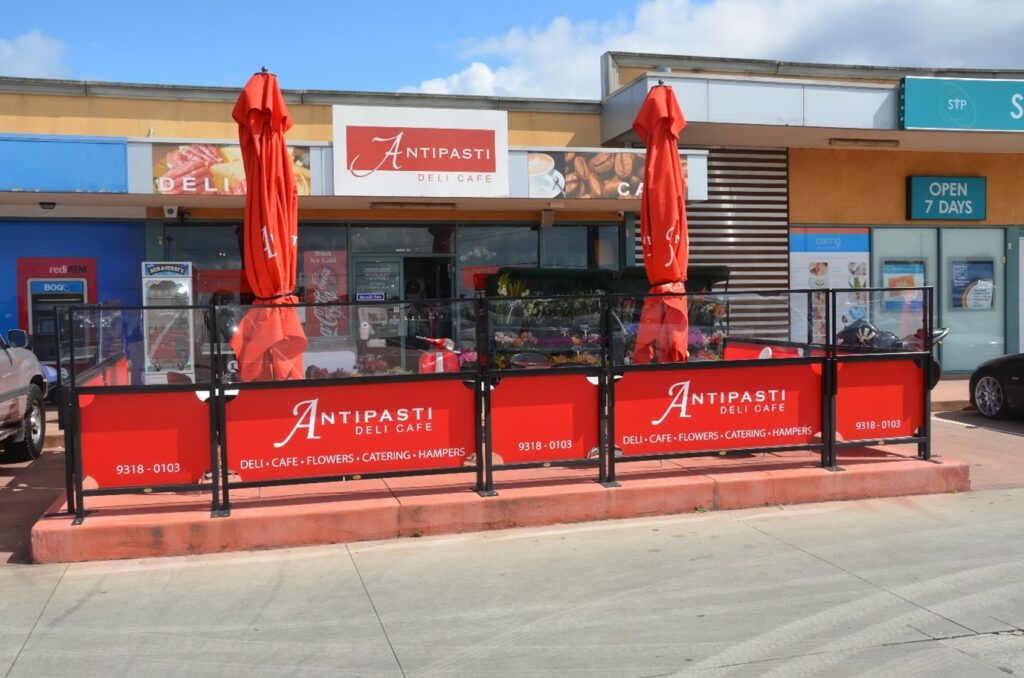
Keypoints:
(96, 88)
(797, 68)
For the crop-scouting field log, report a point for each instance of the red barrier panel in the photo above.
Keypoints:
(112, 374)
(693, 410)
(318, 430)
(879, 399)
(147, 439)
(543, 418)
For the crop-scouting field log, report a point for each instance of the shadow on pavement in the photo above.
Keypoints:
(972, 418)
(27, 490)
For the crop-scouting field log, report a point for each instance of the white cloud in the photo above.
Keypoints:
(33, 55)
(562, 59)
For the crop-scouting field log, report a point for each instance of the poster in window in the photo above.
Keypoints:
(326, 274)
(896, 277)
(973, 284)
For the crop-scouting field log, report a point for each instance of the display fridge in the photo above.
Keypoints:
(168, 331)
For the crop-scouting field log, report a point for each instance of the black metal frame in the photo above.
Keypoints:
(923, 359)
(482, 381)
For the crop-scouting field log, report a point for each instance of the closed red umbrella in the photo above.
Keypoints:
(662, 335)
(270, 340)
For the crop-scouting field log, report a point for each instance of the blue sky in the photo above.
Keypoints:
(525, 48)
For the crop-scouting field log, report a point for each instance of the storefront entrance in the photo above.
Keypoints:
(408, 289)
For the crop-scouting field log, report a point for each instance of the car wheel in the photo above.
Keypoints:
(29, 445)
(989, 397)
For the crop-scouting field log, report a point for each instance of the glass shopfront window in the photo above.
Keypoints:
(417, 239)
(965, 267)
(605, 248)
(483, 249)
(563, 247)
(215, 246)
(972, 296)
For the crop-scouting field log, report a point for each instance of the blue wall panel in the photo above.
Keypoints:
(118, 247)
(63, 164)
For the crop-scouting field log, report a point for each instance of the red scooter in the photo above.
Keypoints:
(443, 359)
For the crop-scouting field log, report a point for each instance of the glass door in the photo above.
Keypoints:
(972, 297)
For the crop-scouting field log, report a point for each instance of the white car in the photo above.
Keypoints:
(22, 392)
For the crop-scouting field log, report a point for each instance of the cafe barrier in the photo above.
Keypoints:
(153, 401)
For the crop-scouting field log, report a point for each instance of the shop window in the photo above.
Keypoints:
(483, 249)
(605, 248)
(433, 239)
(322, 278)
(582, 247)
(563, 247)
(205, 245)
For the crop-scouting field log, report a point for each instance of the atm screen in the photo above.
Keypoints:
(44, 297)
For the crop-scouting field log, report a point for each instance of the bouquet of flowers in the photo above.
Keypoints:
(705, 343)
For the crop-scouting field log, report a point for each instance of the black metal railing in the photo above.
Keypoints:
(524, 382)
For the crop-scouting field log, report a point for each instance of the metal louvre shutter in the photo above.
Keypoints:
(744, 224)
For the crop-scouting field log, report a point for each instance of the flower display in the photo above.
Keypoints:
(705, 343)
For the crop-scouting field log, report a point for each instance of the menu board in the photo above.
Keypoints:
(377, 280)
(973, 284)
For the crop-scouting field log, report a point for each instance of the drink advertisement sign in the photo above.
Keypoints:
(420, 152)
(666, 411)
(326, 283)
(350, 430)
(544, 418)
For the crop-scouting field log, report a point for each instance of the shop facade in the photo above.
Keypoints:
(785, 162)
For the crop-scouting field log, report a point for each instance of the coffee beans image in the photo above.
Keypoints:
(602, 174)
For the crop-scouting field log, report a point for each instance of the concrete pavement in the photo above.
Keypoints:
(915, 586)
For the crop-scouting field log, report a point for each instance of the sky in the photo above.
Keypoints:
(529, 48)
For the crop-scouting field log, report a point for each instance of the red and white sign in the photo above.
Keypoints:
(420, 152)
(51, 268)
(155, 439)
(542, 418)
(879, 399)
(326, 283)
(666, 411)
(350, 430)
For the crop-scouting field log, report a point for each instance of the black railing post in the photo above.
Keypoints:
(829, 455)
(924, 448)
(216, 511)
(76, 429)
(484, 383)
(607, 413)
(63, 405)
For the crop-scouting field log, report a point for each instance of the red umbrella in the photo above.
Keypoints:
(662, 336)
(270, 340)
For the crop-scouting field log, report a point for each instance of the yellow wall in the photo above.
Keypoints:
(870, 187)
(171, 119)
(527, 128)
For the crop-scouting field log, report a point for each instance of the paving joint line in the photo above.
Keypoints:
(859, 577)
(32, 630)
(373, 606)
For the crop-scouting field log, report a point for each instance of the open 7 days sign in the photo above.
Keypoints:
(420, 152)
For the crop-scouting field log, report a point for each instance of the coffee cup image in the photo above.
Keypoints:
(545, 180)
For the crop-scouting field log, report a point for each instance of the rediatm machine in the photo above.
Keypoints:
(44, 296)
